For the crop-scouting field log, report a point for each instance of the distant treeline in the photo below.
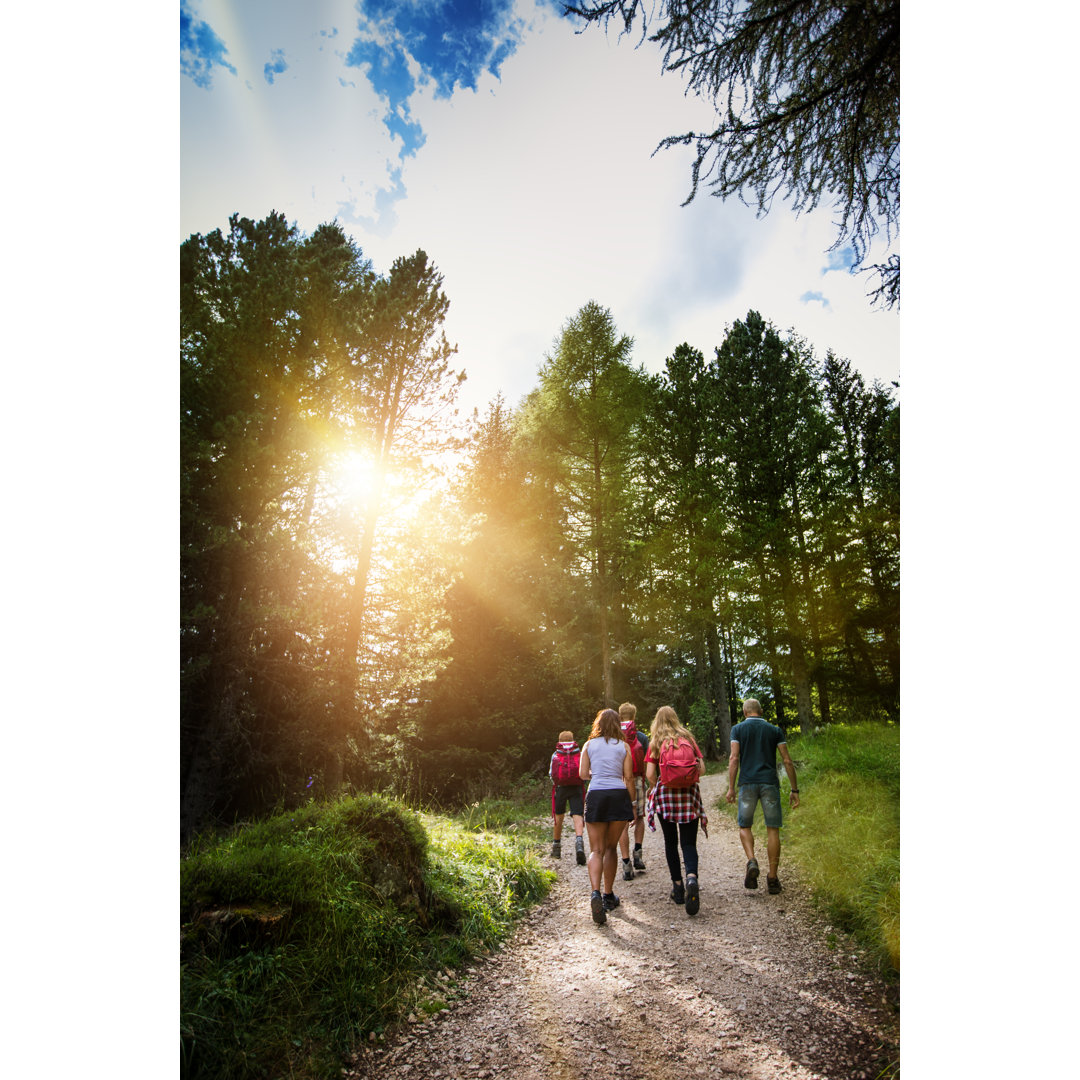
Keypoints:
(375, 593)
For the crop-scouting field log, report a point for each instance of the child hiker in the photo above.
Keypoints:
(673, 766)
(566, 788)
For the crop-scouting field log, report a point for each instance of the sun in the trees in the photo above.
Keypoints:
(354, 476)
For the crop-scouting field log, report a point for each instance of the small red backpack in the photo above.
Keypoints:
(637, 751)
(566, 765)
(678, 764)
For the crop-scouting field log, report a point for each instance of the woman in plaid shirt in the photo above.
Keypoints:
(679, 808)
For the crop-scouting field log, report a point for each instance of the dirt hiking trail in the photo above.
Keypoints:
(748, 987)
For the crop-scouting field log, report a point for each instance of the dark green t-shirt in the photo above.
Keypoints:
(758, 740)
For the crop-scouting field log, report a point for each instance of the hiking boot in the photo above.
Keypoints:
(677, 893)
(556, 850)
(751, 874)
(773, 884)
(627, 870)
(579, 848)
(599, 912)
(693, 901)
(639, 862)
(611, 901)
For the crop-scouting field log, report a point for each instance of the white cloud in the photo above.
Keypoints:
(534, 194)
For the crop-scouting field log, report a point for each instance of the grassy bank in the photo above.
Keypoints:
(306, 933)
(845, 836)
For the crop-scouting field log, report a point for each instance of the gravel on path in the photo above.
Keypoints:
(748, 987)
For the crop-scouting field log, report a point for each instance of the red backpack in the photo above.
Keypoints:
(637, 751)
(678, 764)
(566, 765)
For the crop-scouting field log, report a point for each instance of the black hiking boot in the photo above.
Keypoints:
(752, 872)
(677, 893)
(773, 884)
(627, 870)
(639, 862)
(611, 901)
(579, 849)
(599, 912)
(693, 901)
(556, 849)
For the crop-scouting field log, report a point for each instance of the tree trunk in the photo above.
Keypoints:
(721, 706)
(732, 689)
(202, 788)
(818, 665)
(796, 645)
(769, 621)
(701, 668)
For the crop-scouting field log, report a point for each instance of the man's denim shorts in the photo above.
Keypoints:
(769, 797)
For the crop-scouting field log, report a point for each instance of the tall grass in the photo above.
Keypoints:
(307, 932)
(845, 836)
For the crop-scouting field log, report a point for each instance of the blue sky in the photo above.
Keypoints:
(519, 155)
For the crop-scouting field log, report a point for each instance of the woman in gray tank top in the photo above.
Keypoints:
(607, 765)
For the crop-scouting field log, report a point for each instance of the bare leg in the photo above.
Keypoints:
(624, 839)
(595, 865)
(639, 830)
(579, 823)
(774, 851)
(615, 829)
(747, 838)
(558, 826)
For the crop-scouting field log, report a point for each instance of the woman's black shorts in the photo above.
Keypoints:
(608, 804)
(570, 794)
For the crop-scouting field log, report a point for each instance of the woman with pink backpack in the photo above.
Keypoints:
(673, 766)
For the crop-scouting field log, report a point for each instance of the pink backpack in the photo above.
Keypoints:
(637, 751)
(678, 764)
(565, 765)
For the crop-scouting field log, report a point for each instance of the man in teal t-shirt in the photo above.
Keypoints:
(754, 744)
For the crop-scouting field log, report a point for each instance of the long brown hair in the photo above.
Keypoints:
(606, 726)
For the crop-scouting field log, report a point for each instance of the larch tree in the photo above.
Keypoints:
(263, 313)
(584, 423)
(689, 541)
(400, 392)
(773, 434)
(865, 550)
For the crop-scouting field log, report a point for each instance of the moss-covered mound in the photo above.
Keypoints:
(304, 932)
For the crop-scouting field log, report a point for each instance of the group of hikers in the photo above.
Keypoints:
(632, 778)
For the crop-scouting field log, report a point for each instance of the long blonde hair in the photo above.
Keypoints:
(666, 727)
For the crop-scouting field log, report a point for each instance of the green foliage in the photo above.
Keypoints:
(703, 727)
(304, 932)
(726, 528)
(845, 835)
(580, 437)
(295, 357)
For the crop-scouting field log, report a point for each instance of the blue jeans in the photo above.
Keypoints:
(769, 797)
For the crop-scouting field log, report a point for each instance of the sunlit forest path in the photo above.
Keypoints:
(749, 987)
